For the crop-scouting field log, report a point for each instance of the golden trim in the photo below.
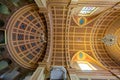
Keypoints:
(77, 21)
(85, 58)
(20, 61)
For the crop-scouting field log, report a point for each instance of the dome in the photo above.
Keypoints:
(107, 27)
(26, 36)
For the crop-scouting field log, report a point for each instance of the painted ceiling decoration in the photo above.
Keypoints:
(83, 21)
(60, 39)
(26, 36)
(109, 30)
(82, 56)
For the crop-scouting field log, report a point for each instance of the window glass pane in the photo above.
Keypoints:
(87, 10)
(84, 66)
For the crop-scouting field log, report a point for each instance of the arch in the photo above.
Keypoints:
(82, 57)
(29, 31)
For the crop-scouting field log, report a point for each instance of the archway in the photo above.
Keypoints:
(83, 61)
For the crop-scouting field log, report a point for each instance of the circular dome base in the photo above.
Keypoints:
(25, 42)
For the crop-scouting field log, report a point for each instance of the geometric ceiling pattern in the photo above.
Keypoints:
(69, 38)
(59, 15)
(26, 36)
(107, 24)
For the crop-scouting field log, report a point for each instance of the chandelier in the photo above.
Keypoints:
(109, 39)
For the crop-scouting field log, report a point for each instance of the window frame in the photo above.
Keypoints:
(88, 12)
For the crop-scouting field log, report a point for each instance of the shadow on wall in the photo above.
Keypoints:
(2, 37)
(1, 23)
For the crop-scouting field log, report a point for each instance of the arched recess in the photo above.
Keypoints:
(26, 37)
(107, 24)
(85, 60)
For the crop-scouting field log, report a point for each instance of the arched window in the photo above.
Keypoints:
(86, 11)
(86, 65)
(83, 61)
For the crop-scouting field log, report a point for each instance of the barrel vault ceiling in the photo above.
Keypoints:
(64, 34)
(69, 38)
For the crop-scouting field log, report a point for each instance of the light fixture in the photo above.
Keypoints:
(109, 39)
